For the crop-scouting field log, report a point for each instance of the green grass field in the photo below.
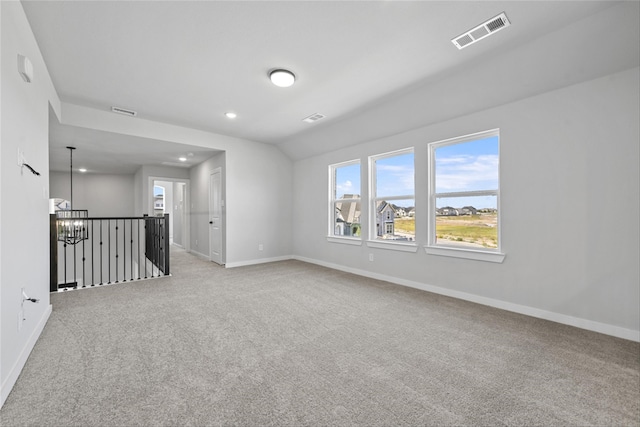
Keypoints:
(478, 229)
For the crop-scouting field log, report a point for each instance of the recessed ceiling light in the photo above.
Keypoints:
(82, 170)
(230, 115)
(282, 78)
(183, 159)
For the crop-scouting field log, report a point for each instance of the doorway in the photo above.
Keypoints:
(170, 196)
(215, 216)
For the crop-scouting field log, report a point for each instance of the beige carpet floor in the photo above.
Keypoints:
(295, 344)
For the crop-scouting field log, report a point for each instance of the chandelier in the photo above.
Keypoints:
(72, 224)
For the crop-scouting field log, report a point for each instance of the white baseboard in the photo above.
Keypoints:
(199, 255)
(603, 328)
(11, 379)
(258, 261)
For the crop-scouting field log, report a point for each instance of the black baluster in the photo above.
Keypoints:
(139, 249)
(83, 259)
(65, 264)
(109, 258)
(75, 280)
(117, 251)
(131, 252)
(93, 265)
(101, 257)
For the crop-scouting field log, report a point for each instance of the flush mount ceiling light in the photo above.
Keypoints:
(183, 159)
(83, 170)
(230, 115)
(282, 78)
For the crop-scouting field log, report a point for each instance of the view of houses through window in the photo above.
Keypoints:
(346, 199)
(158, 200)
(466, 182)
(393, 216)
(463, 200)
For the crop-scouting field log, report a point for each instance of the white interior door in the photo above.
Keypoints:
(215, 216)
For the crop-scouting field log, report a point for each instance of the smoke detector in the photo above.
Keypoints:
(483, 30)
(124, 111)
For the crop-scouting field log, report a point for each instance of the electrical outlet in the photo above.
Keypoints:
(260, 247)
(370, 257)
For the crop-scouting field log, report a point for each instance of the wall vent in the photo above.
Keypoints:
(483, 30)
(124, 111)
(314, 118)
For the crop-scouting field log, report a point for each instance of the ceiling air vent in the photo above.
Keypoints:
(124, 111)
(314, 118)
(483, 30)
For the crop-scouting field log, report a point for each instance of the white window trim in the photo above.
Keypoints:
(433, 248)
(355, 241)
(373, 198)
(393, 245)
(331, 237)
(457, 252)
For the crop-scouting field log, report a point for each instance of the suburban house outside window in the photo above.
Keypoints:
(345, 207)
(464, 197)
(393, 197)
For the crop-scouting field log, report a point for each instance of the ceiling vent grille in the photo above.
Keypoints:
(314, 118)
(124, 111)
(483, 30)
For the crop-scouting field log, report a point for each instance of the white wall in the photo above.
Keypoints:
(24, 210)
(151, 171)
(570, 208)
(101, 194)
(179, 192)
(258, 178)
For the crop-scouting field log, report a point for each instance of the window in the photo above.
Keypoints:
(158, 199)
(345, 199)
(465, 193)
(392, 190)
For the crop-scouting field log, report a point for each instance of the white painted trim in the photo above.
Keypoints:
(465, 253)
(344, 240)
(199, 255)
(11, 379)
(186, 214)
(590, 325)
(218, 260)
(402, 247)
(258, 261)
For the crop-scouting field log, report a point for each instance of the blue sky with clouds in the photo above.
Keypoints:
(468, 166)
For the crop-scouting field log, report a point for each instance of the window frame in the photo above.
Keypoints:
(373, 241)
(433, 248)
(331, 236)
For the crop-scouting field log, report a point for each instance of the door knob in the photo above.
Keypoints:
(210, 222)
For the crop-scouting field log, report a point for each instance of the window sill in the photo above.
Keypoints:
(402, 247)
(345, 240)
(466, 253)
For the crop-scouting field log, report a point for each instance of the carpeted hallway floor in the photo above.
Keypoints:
(292, 344)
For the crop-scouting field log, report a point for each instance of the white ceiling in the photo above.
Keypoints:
(372, 67)
(110, 153)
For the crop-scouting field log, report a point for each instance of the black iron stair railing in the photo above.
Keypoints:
(109, 250)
